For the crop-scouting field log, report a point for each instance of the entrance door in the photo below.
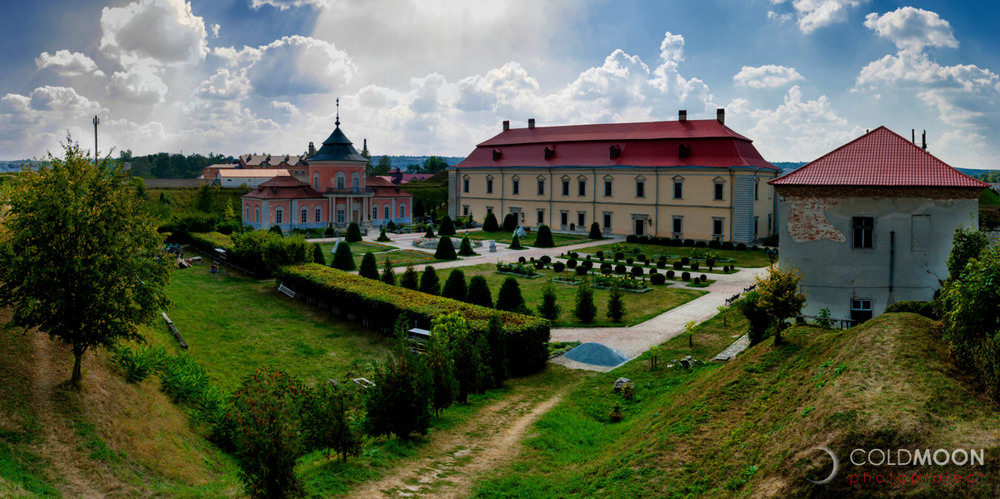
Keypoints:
(640, 225)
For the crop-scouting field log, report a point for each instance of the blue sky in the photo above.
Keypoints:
(799, 77)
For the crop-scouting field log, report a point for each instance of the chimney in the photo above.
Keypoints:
(506, 125)
(923, 140)
(312, 149)
(531, 122)
(720, 114)
(913, 136)
(682, 115)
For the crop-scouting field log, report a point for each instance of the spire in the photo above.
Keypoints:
(338, 113)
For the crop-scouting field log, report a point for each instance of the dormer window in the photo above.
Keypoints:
(496, 154)
(615, 151)
(684, 151)
(549, 152)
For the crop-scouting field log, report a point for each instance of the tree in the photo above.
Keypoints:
(369, 267)
(442, 373)
(382, 238)
(455, 287)
(544, 238)
(429, 281)
(399, 400)
(966, 245)
(757, 318)
(466, 349)
(585, 309)
(490, 223)
(430, 232)
(410, 279)
(343, 259)
(595, 231)
(80, 258)
(509, 297)
(353, 233)
(465, 249)
(515, 243)
(388, 275)
(496, 344)
(479, 292)
(265, 422)
(616, 303)
(509, 222)
(779, 296)
(383, 167)
(549, 308)
(318, 256)
(276, 229)
(447, 227)
(445, 249)
(330, 421)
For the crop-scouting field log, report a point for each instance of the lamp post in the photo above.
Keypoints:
(96, 121)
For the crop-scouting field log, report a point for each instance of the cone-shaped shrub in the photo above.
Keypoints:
(429, 281)
(616, 303)
(479, 292)
(509, 222)
(465, 249)
(353, 233)
(510, 297)
(595, 231)
(430, 232)
(447, 227)
(343, 259)
(515, 243)
(455, 287)
(388, 275)
(544, 238)
(382, 238)
(318, 256)
(445, 250)
(585, 309)
(490, 224)
(549, 308)
(410, 279)
(369, 268)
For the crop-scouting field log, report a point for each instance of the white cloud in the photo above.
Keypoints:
(293, 65)
(38, 121)
(225, 84)
(287, 4)
(155, 31)
(140, 84)
(815, 14)
(215, 30)
(767, 76)
(781, 18)
(912, 29)
(68, 63)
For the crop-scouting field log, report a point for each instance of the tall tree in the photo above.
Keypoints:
(479, 292)
(779, 296)
(616, 303)
(343, 259)
(369, 267)
(329, 420)
(429, 281)
(80, 258)
(384, 166)
(388, 275)
(467, 350)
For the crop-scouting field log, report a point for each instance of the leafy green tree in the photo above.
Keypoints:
(330, 421)
(509, 222)
(544, 238)
(455, 287)
(206, 199)
(616, 303)
(388, 275)
(369, 267)
(447, 227)
(433, 164)
(442, 372)
(276, 229)
(467, 349)
(757, 318)
(399, 402)
(229, 213)
(281, 251)
(318, 256)
(779, 295)
(490, 223)
(80, 258)
(465, 249)
(343, 259)
(353, 233)
(384, 166)
(966, 245)
(595, 231)
(515, 243)
(479, 292)
(496, 344)
(265, 421)
(410, 279)
(429, 281)
(585, 309)
(509, 297)
(445, 249)
(549, 308)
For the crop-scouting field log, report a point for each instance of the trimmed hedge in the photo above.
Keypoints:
(379, 305)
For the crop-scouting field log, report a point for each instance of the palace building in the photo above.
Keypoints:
(688, 179)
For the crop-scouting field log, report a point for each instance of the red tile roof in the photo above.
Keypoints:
(283, 188)
(383, 188)
(879, 158)
(705, 142)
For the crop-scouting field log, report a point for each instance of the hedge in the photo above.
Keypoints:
(378, 305)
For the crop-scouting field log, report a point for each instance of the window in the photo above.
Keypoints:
(516, 187)
(402, 211)
(489, 185)
(607, 221)
(862, 229)
(640, 188)
(355, 182)
(581, 188)
(678, 189)
(388, 211)
(581, 219)
(278, 215)
(756, 189)
(565, 187)
(541, 187)
(678, 226)
(564, 219)
(717, 227)
(340, 180)
(316, 180)
(303, 215)
(465, 210)
(769, 224)
(861, 310)
(756, 224)
(607, 187)
(246, 212)
(465, 184)
(340, 215)
(374, 212)
(718, 191)
(541, 217)
(256, 212)
(489, 209)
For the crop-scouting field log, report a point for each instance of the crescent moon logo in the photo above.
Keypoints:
(836, 466)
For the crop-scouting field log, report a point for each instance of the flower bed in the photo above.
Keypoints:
(432, 242)
(625, 283)
(378, 305)
(518, 269)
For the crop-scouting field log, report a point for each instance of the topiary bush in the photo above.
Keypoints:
(595, 231)
(637, 271)
(544, 238)
(581, 271)
(546, 259)
(704, 278)
(600, 255)
(741, 247)
(558, 267)
(382, 238)
(479, 292)
(678, 265)
(521, 259)
(515, 243)
(670, 274)
(445, 249)
(686, 276)
(619, 255)
(689, 243)
(619, 269)
(661, 264)
(353, 233)
(509, 222)
(657, 279)
(587, 264)
(430, 232)
(455, 287)
(571, 263)
(465, 249)
(696, 281)
(447, 228)
(490, 223)
(710, 262)
(368, 268)
(727, 245)
(509, 298)
(343, 259)
(685, 261)
(694, 266)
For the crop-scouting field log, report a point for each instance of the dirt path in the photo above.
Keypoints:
(59, 445)
(455, 458)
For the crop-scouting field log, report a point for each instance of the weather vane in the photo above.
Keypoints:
(338, 112)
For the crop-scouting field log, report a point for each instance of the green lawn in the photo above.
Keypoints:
(639, 307)
(234, 325)
(383, 252)
(744, 258)
(503, 236)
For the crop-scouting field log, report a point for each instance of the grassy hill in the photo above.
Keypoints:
(750, 427)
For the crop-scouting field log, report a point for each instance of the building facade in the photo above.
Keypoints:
(871, 223)
(689, 179)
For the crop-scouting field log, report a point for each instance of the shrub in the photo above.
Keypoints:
(280, 251)
(558, 267)
(465, 249)
(685, 276)
(329, 232)
(509, 298)
(382, 238)
(779, 295)
(571, 263)
(670, 274)
(544, 238)
(619, 269)
(587, 264)
(410, 279)
(327, 421)
(631, 238)
(967, 244)
(318, 256)
(619, 255)
(678, 265)
(757, 316)
(509, 222)
(522, 259)
(741, 247)
(714, 244)
(138, 364)
(727, 245)
(694, 266)
(696, 280)
(369, 268)
(391, 226)
(399, 400)
(688, 243)
(445, 249)
(497, 347)
(685, 261)
(353, 233)
(637, 271)
(710, 262)
(430, 232)
(429, 281)
(343, 259)
(600, 255)
(704, 278)
(661, 264)
(629, 261)
(581, 271)
(595, 231)
(546, 259)
(388, 275)
(585, 309)
(490, 223)
(515, 243)
(700, 244)
(276, 230)
(549, 309)
(468, 350)
(616, 303)
(447, 227)
(479, 292)
(657, 279)
(924, 308)
(455, 287)
(182, 379)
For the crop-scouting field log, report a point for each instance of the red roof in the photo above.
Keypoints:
(879, 158)
(662, 143)
(283, 188)
(383, 188)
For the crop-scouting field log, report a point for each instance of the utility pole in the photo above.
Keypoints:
(96, 121)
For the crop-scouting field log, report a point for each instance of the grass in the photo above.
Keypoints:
(639, 307)
(747, 427)
(744, 258)
(383, 252)
(502, 236)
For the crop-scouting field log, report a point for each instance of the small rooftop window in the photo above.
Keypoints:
(615, 152)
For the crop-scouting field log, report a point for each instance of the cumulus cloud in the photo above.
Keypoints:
(155, 31)
(225, 84)
(68, 63)
(767, 76)
(139, 83)
(912, 29)
(287, 4)
(811, 15)
(38, 121)
(293, 65)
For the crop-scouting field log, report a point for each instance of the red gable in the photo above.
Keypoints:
(285, 187)
(880, 158)
(662, 143)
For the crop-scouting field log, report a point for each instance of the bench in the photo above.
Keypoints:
(286, 290)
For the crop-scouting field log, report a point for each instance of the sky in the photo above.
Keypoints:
(421, 77)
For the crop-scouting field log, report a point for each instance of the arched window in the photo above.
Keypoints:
(278, 215)
(316, 180)
(319, 214)
(340, 180)
(402, 211)
(388, 213)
